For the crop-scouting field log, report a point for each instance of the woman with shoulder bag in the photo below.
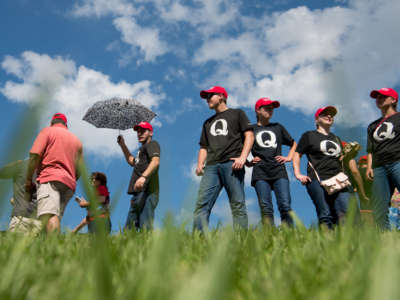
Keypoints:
(326, 183)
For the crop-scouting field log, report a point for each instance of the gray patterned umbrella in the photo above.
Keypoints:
(118, 113)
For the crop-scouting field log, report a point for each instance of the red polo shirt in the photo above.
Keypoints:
(59, 150)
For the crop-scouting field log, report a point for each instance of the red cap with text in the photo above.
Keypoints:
(266, 101)
(144, 125)
(60, 116)
(213, 90)
(330, 109)
(386, 92)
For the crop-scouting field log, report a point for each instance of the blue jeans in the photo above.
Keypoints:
(214, 179)
(141, 211)
(386, 179)
(283, 199)
(331, 209)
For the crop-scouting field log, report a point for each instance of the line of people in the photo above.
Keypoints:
(47, 181)
(228, 137)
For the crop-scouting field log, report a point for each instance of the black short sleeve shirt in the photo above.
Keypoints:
(323, 151)
(142, 161)
(384, 140)
(268, 141)
(223, 135)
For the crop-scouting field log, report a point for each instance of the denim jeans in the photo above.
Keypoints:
(331, 209)
(141, 211)
(386, 179)
(214, 179)
(283, 199)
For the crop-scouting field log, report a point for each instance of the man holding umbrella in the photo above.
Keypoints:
(144, 183)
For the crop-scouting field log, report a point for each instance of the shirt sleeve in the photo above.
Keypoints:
(9, 171)
(153, 149)
(244, 122)
(203, 138)
(303, 145)
(286, 137)
(40, 143)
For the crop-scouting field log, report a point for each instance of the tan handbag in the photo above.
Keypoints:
(335, 183)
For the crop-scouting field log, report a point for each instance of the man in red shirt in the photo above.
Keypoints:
(57, 156)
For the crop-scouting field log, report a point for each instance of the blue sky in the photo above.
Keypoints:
(306, 54)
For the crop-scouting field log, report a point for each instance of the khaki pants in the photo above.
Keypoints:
(52, 198)
(24, 225)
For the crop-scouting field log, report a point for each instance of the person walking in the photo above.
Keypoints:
(324, 152)
(23, 215)
(56, 154)
(269, 171)
(144, 183)
(383, 160)
(225, 143)
(98, 213)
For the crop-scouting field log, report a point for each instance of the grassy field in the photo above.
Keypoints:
(350, 263)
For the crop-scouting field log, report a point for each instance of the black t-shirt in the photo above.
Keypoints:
(223, 135)
(323, 151)
(17, 172)
(384, 140)
(142, 161)
(268, 141)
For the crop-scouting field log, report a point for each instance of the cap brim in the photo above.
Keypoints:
(275, 104)
(203, 94)
(330, 109)
(374, 94)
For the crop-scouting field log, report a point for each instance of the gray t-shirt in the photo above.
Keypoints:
(17, 172)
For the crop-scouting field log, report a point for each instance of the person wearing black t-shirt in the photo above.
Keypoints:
(144, 184)
(383, 147)
(323, 150)
(269, 172)
(225, 143)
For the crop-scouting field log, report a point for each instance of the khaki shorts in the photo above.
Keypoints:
(24, 225)
(52, 198)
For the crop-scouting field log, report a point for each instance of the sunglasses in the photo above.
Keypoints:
(209, 96)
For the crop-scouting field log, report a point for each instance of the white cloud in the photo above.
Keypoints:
(310, 58)
(144, 39)
(73, 90)
(305, 58)
(101, 8)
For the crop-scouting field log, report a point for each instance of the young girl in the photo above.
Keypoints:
(269, 172)
(100, 213)
(383, 147)
(323, 150)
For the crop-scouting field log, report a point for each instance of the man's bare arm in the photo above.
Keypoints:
(128, 156)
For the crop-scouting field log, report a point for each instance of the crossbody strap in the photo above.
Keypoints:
(384, 119)
(315, 171)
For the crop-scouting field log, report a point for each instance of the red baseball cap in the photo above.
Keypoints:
(330, 109)
(144, 125)
(214, 90)
(266, 101)
(363, 159)
(386, 92)
(60, 116)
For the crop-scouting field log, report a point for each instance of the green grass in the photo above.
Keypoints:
(171, 263)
